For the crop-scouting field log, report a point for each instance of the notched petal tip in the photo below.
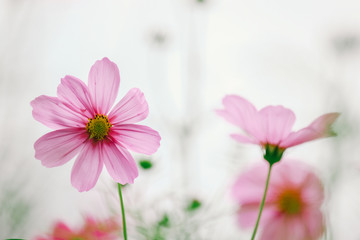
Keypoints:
(326, 122)
(132, 108)
(319, 128)
(103, 82)
(137, 138)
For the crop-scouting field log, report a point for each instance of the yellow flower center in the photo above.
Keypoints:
(77, 238)
(98, 127)
(290, 202)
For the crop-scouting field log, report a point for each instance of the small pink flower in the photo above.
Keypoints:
(292, 206)
(85, 126)
(271, 126)
(92, 230)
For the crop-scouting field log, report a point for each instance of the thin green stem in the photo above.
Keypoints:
(262, 203)
(122, 212)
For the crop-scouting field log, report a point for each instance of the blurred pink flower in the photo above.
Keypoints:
(85, 126)
(292, 207)
(271, 126)
(92, 230)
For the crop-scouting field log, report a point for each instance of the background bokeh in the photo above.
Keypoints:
(185, 55)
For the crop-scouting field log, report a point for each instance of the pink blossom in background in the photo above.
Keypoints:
(292, 207)
(85, 127)
(92, 230)
(271, 126)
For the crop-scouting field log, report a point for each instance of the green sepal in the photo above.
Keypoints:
(273, 153)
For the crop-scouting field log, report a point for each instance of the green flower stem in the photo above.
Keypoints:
(262, 203)
(122, 212)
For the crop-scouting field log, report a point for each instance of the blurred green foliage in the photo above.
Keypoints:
(194, 205)
(145, 164)
(14, 210)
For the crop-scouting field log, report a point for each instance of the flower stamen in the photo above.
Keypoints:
(290, 202)
(98, 127)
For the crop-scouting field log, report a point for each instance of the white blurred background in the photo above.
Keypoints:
(185, 55)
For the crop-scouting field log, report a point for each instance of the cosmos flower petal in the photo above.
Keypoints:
(295, 229)
(285, 228)
(240, 112)
(52, 112)
(315, 222)
(138, 138)
(58, 147)
(92, 229)
(104, 81)
(87, 167)
(119, 163)
(62, 231)
(312, 190)
(277, 230)
(131, 109)
(248, 214)
(319, 128)
(249, 186)
(75, 94)
(276, 123)
(103, 228)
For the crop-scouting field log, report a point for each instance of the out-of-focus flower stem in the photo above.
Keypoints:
(262, 202)
(122, 212)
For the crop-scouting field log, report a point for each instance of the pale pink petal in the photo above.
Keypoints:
(87, 167)
(238, 110)
(296, 228)
(119, 163)
(58, 147)
(282, 227)
(52, 112)
(242, 113)
(104, 80)
(314, 222)
(243, 139)
(248, 213)
(276, 230)
(312, 191)
(62, 231)
(75, 94)
(138, 138)
(276, 123)
(131, 109)
(290, 176)
(249, 186)
(319, 128)
(300, 177)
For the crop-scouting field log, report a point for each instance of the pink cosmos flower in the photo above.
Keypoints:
(84, 125)
(292, 206)
(92, 230)
(271, 126)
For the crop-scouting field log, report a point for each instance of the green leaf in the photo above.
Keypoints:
(164, 222)
(146, 164)
(194, 205)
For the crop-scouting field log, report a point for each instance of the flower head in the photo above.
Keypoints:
(292, 206)
(92, 230)
(84, 126)
(271, 126)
